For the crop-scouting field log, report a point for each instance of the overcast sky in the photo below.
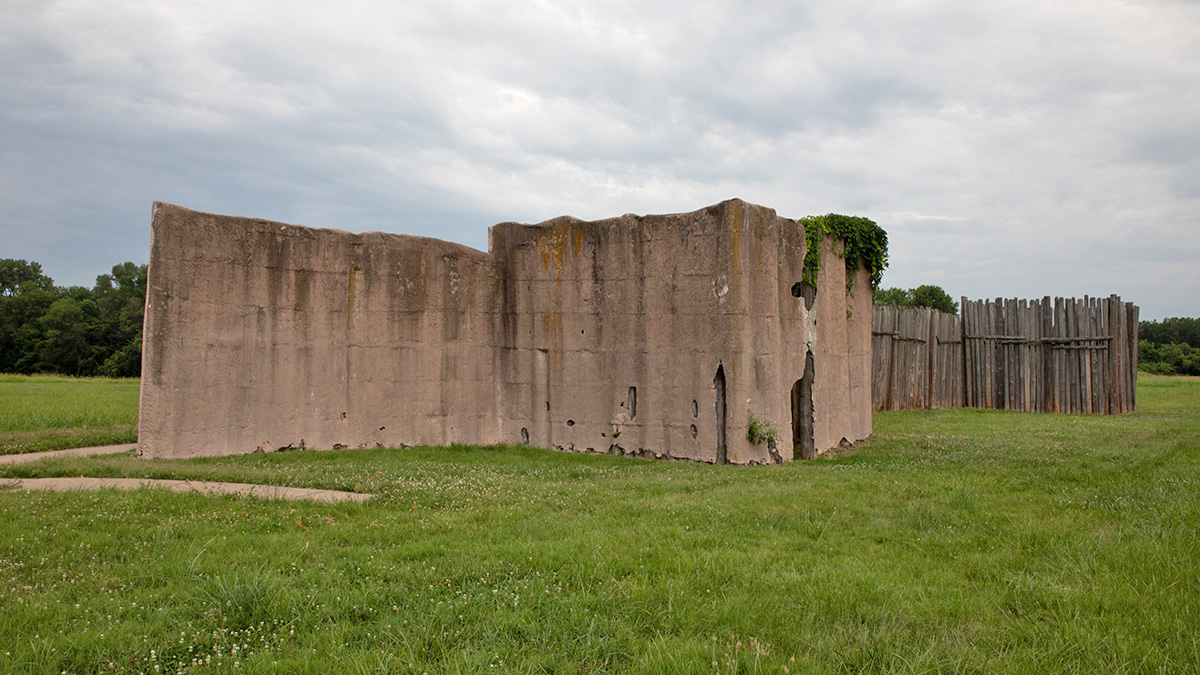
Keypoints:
(1015, 148)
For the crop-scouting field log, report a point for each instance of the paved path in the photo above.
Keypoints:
(73, 452)
(201, 487)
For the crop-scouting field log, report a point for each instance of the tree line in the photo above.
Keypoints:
(1170, 346)
(925, 295)
(72, 330)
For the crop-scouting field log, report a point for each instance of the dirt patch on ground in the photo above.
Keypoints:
(201, 487)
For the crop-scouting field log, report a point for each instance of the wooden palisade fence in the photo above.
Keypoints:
(1065, 355)
(916, 359)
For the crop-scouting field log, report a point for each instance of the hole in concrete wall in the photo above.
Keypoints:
(803, 289)
(524, 436)
(570, 423)
(695, 431)
(382, 428)
(695, 410)
(719, 386)
(632, 402)
(547, 406)
(802, 413)
(343, 415)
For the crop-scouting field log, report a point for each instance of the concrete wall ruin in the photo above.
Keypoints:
(648, 335)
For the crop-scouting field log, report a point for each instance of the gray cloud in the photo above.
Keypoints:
(1013, 148)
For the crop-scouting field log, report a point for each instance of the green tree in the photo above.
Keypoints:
(25, 295)
(75, 330)
(64, 346)
(924, 295)
(1189, 362)
(1170, 346)
(899, 297)
(933, 296)
(18, 276)
(1171, 330)
(892, 296)
(1148, 352)
(121, 297)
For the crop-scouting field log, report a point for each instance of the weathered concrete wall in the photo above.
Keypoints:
(652, 305)
(259, 332)
(843, 354)
(608, 336)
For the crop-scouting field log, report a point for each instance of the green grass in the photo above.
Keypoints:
(51, 412)
(956, 541)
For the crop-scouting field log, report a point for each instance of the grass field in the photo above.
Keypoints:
(50, 412)
(955, 541)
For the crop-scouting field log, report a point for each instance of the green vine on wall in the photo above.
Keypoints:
(866, 245)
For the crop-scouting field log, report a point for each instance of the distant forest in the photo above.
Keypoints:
(80, 331)
(71, 330)
(1169, 347)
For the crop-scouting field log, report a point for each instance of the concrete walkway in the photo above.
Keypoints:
(201, 487)
(73, 452)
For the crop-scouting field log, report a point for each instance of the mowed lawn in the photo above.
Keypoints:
(50, 412)
(955, 541)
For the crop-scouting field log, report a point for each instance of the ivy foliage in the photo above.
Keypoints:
(866, 245)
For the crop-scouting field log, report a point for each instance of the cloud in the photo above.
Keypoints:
(1014, 148)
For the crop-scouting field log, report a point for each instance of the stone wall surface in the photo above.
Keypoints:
(650, 335)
